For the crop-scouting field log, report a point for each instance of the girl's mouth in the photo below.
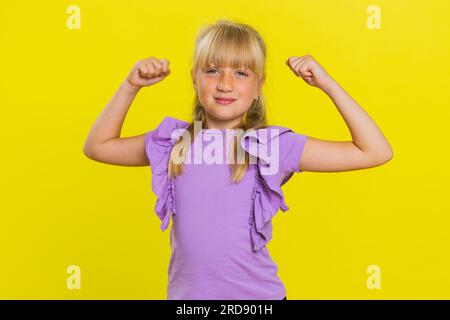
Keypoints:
(224, 101)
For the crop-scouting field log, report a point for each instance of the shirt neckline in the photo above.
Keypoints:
(214, 130)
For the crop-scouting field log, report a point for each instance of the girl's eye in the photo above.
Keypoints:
(241, 72)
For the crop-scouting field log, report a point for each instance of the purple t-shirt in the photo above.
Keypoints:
(220, 229)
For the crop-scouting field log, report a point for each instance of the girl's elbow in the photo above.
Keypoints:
(386, 156)
(390, 155)
(89, 151)
(378, 158)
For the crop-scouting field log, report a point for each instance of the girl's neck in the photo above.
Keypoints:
(222, 127)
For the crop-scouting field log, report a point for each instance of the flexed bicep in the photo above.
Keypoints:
(128, 151)
(335, 156)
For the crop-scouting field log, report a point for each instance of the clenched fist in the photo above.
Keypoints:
(148, 72)
(310, 71)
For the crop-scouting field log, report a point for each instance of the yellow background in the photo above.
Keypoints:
(60, 208)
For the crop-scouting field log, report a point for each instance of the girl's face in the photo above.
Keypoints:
(224, 82)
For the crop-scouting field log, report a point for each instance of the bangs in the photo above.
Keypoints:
(229, 47)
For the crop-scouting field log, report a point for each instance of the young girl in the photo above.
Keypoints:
(222, 210)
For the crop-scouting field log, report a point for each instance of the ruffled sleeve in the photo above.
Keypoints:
(277, 152)
(158, 146)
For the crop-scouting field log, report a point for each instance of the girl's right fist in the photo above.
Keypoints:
(148, 71)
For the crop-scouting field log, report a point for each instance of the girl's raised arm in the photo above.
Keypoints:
(369, 147)
(104, 143)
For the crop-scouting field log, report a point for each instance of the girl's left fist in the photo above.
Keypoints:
(310, 71)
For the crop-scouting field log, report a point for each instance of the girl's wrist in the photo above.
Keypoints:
(329, 86)
(129, 87)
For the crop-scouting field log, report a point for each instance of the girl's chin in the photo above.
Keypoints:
(223, 114)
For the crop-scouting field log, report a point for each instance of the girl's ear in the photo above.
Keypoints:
(261, 83)
(195, 87)
(192, 77)
(193, 82)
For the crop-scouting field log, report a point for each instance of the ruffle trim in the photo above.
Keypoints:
(267, 196)
(163, 139)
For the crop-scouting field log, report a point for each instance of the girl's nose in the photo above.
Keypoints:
(225, 81)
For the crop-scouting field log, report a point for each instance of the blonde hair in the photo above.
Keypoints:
(225, 43)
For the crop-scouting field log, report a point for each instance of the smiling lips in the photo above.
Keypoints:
(224, 100)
